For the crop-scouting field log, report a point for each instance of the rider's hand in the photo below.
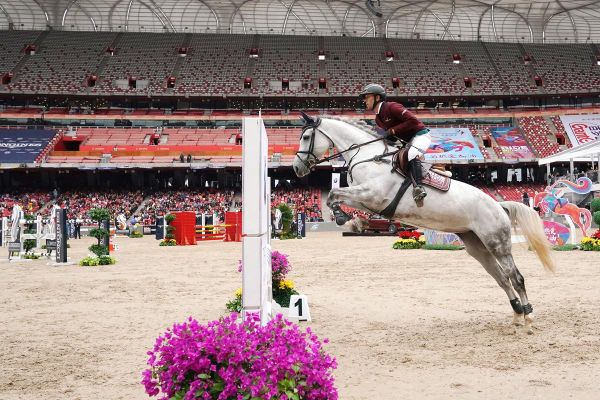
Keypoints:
(389, 136)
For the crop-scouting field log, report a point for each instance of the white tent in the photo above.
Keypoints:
(585, 152)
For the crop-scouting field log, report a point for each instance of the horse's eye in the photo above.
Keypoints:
(305, 137)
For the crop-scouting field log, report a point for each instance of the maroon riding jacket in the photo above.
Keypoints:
(398, 121)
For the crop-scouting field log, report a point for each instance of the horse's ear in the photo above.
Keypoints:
(307, 120)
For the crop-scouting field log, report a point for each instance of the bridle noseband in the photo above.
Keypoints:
(311, 159)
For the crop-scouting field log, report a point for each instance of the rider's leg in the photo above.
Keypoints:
(419, 146)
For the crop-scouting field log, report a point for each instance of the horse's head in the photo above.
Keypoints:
(313, 144)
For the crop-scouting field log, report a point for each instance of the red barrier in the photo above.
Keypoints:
(233, 230)
(210, 232)
(185, 227)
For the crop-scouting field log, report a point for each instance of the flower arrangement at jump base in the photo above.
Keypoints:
(229, 360)
(592, 242)
(283, 288)
(409, 240)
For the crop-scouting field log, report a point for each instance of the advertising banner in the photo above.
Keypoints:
(512, 143)
(581, 129)
(61, 236)
(452, 144)
(22, 145)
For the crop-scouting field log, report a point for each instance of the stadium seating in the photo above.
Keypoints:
(565, 68)
(217, 64)
(539, 135)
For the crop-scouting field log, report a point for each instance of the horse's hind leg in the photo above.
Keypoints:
(505, 259)
(501, 249)
(479, 251)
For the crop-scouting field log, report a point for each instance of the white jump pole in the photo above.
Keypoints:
(256, 251)
(4, 227)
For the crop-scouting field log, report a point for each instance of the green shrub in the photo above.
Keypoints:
(31, 256)
(442, 247)
(169, 218)
(98, 233)
(89, 261)
(99, 214)
(28, 244)
(287, 217)
(98, 249)
(566, 247)
(595, 205)
(136, 234)
(596, 217)
(106, 260)
(168, 242)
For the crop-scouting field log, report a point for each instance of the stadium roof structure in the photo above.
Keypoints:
(533, 21)
(585, 152)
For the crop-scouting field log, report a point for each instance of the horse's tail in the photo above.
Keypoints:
(531, 225)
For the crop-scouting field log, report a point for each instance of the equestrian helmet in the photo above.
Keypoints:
(373, 88)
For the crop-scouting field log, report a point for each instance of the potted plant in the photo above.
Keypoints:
(229, 360)
(100, 249)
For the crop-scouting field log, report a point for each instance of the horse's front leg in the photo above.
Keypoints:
(351, 196)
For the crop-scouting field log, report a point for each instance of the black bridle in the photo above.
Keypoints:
(311, 159)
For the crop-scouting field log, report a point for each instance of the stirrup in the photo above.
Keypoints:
(419, 194)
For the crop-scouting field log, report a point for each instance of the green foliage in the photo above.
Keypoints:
(566, 247)
(596, 218)
(89, 261)
(98, 233)
(405, 244)
(106, 260)
(170, 229)
(168, 242)
(31, 256)
(170, 236)
(28, 244)
(235, 305)
(595, 205)
(136, 234)
(99, 214)
(169, 218)
(29, 217)
(98, 249)
(287, 217)
(442, 247)
(282, 295)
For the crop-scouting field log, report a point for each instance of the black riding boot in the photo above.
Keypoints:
(416, 170)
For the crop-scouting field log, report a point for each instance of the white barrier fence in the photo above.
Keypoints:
(256, 197)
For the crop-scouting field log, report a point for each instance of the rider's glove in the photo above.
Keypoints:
(389, 136)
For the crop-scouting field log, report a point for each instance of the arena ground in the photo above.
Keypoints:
(409, 324)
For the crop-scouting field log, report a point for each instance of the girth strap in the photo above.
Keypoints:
(389, 211)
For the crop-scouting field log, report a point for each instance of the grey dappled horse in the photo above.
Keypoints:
(483, 224)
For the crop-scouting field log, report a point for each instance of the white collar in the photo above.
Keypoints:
(379, 107)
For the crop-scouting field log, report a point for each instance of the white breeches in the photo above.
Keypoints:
(419, 146)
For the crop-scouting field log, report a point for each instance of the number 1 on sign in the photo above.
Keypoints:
(299, 305)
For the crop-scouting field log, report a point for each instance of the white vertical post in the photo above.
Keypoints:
(4, 227)
(256, 251)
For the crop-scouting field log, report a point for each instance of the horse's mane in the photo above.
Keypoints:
(357, 123)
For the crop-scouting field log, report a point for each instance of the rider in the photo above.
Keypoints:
(400, 123)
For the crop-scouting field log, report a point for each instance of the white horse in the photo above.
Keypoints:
(483, 224)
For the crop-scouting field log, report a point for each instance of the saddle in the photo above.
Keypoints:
(431, 177)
